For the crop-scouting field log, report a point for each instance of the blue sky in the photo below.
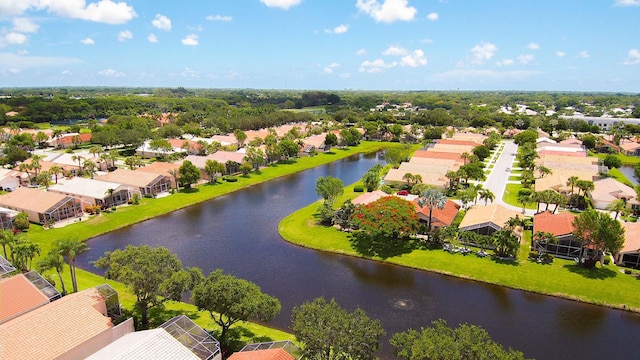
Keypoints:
(557, 45)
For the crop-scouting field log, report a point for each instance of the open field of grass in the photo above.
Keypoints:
(511, 196)
(150, 208)
(561, 278)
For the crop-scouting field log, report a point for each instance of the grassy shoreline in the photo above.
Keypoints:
(150, 208)
(560, 279)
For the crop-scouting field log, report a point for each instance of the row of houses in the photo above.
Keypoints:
(436, 160)
(37, 322)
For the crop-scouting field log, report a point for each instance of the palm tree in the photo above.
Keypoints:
(79, 159)
(432, 198)
(44, 179)
(56, 170)
(408, 177)
(176, 176)
(23, 253)
(90, 167)
(453, 177)
(212, 167)
(35, 163)
(8, 239)
(618, 206)
(524, 199)
(69, 249)
(53, 261)
(465, 157)
(94, 150)
(486, 195)
(546, 238)
(544, 171)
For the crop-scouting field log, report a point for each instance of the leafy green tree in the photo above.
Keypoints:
(389, 216)
(432, 198)
(507, 244)
(23, 253)
(54, 261)
(160, 144)
(212, 168)
(444, 343)
(617, 206)
(245, 168)
(240, 136)
(330, 140)
(528, 136)
(69, 249)
(288, 148)
(482, 152)
(342, 216)
(329, 188)
(612, 161)
(331, 333)
(371, 179)
(229, 299)
(154, 275)
(8, 238)
(189, 174)
(599, 232)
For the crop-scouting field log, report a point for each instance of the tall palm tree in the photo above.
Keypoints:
(53, 261)
(486, 195)
(96, 150)
(618, 206)
(79, 159)
(23, 253)
(35, 163)
(69, 249)
(56, 170)
(176, 176)
(465, 157)
(8, 239)
(90, 167)
(524, 199)
(432, 198)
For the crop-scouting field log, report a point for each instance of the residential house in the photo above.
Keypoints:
(10, 179)
(72, 327)
(369, 197)
(148, 184)
(396, 177)
(314, 143)
(146, 151)
(561, 226)
(222, 157)
(42, 207)
(65, 141)
(178, 338)
(187, 146)
(161, 168)
(629, 255)
(92, 192)
(275, 350)
(629, 147)
(608, 190)
(22, 293)
(6, 218)
(606, 146)
(486, 220)
(439, 217)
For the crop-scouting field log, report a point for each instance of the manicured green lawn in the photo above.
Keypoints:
(604, 286)
(150, 208)
(626, 160)
(618, 175)
(511, 196)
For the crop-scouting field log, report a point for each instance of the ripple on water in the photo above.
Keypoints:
(402, 304)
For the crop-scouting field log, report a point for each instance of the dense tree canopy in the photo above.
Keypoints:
(389, 216)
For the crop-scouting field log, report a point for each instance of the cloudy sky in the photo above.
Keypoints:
(560, 45)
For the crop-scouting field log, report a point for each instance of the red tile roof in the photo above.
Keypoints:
(439, 217)
(270, 354)
(19, 296)
(556, 224)
(437, 155)
(457, 142)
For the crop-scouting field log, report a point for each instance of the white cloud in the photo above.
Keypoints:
(111, 73)
(152, 38)
(190, 40)
(533, 46)
(15, 38)
(482, 53)
(9, 8)
(219, 18)
(161, 22)
(22, 52)
(415, 59)
(104, 11)
(583, 54)
(505, 62)
(525, 58)
(395, 51)
(427, 41)
(345, 75)
(65, 72)
(340, 29)
(376, 66)
(433, 16)
(88, 41)
(387, 12)
(11, 60)
(125, 35)
(361, 52)
(329, 69)
(633, 57)
(627, 3)
(25, 25)
(560, 53)
(190, 73)
(283, 4)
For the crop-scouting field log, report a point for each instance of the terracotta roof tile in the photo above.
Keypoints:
(494, 213)
(557, 224)
(32, 199)
(631, 237)
(439, 217)
(270, 354)
(18, 295)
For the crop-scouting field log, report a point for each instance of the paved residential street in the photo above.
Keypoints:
(499, 177)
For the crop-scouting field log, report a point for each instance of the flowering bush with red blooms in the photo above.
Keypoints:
(389, 216)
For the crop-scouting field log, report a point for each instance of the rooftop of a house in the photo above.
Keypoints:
(631, 237)
(268, 354)
(93, 188)
(130, 177)
(369, 197)
(440, 217)
(158, 167)
(557, 224)
(144, 345)
(19, 296)
(437, 155)
(32, 199)
(494, 213)
(53, 329)
(609, 189)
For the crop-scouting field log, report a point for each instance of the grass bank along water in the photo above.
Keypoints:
(606, 286)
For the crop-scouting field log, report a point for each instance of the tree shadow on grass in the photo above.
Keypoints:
(600, 273)
(288, 161)
(507, 261)
(160, 314)
(382, 247)
(190, 190)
